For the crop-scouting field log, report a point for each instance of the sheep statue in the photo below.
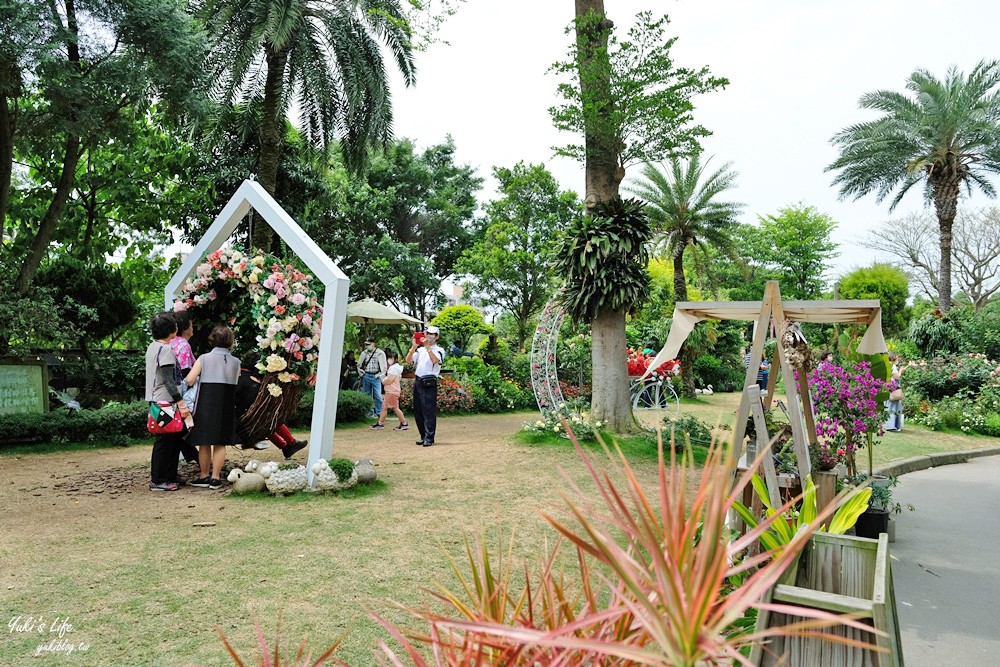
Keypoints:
(334, 475)
(285, 478)
(245, 481)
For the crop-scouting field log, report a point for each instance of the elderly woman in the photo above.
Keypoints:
(219, 373)
(160, 386)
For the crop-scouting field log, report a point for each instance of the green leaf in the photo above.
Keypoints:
(848, 513)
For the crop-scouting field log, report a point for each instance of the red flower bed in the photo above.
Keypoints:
(452, 396)
(637, 364)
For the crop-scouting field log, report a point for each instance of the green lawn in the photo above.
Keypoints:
(143, 584)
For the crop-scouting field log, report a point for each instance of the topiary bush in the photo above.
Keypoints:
(342, 468)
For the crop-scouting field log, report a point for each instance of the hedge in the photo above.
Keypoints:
(115, 423)
(120, 423)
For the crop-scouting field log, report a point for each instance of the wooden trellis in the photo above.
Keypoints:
(782, 313)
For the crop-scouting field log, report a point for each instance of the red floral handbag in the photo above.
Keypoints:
(164, 417)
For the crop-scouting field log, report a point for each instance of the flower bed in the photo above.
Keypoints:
(451, 397)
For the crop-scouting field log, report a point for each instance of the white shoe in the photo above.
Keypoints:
(263, 444)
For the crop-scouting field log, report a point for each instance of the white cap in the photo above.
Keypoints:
(433, 330)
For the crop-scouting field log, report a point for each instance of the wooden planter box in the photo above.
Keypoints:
(845, 575)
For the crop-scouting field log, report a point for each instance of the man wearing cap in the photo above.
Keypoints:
(372, 366)
(427, 357)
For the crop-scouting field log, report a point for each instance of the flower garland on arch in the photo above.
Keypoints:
(288, 316)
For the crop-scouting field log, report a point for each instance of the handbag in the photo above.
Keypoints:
(428, 381)
(164, 417)
(896, 395)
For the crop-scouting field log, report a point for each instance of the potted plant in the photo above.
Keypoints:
(876, 519)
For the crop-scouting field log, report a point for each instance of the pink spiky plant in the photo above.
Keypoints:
(276, 657)
(662, 581)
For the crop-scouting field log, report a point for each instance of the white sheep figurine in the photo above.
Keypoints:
(245, 482)
(327, 480)
(281, 482)
(265, 470)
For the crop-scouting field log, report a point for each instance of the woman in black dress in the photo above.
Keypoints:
(215, 406)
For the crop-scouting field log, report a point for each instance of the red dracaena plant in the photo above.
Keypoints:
(654, 586)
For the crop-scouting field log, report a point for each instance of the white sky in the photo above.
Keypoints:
(797, 69)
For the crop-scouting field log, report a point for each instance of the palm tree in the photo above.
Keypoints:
(945, 135)
(323, 55)
(685, 212)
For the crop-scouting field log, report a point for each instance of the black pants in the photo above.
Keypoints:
(425, 406)
(163, 463)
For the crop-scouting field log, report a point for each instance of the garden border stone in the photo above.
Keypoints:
(934, 460)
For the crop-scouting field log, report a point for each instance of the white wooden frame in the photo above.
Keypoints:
(251, 195)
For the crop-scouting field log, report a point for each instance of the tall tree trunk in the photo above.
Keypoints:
(945, 191)
(610, 403)
(680, 284)
(272, 125)
(10, 91)
(40, 244)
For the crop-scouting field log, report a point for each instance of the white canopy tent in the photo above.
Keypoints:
(689, 313)
(251, 195)
(368, 311)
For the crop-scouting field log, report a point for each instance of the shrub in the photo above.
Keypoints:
(116, 423)
(490, 391)
(342, 468)
(574, 392)
(302, 417)
(962, 330)
(710, 370)
(690, 426)
(452, 396)
(947, 376)
(991, 425)
(112, 373)
(495, 352)
(520, 369)
(353, 406)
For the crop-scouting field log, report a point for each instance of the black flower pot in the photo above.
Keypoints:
(871, 523)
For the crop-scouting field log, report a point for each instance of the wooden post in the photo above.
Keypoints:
(764, 444)
(826, 491)
(794, 413)
(772, 379)
(771, 293)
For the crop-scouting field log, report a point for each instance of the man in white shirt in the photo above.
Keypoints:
(427, 356)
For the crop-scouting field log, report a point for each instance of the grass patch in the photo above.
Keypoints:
(635, 447)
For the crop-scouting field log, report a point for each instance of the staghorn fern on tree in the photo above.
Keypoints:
(602, 258)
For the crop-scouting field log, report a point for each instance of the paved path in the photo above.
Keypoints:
(946, 564)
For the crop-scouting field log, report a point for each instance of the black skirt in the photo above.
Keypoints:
(215, 412)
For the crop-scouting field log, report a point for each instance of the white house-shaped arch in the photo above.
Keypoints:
(251, 195)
